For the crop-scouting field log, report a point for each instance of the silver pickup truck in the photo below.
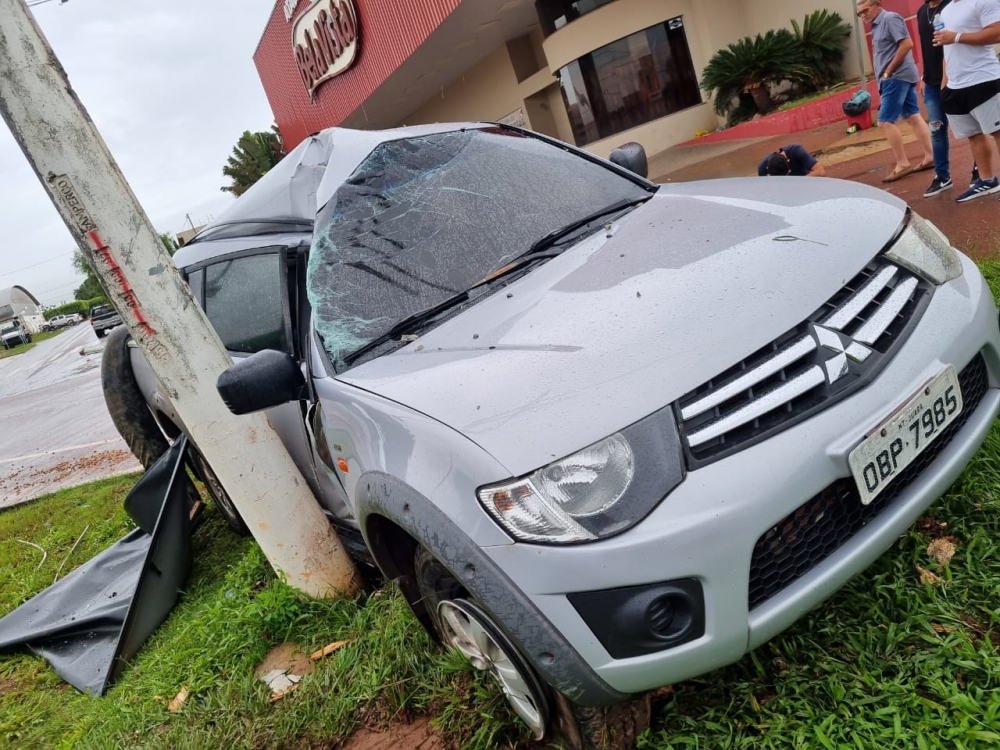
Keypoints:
(605, 435)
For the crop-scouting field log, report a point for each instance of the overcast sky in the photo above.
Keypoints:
(171, 86)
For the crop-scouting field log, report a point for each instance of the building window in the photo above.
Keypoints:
(554, 14)
(630, 82)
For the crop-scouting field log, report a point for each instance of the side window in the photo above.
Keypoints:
(196, 280)
(243, 299)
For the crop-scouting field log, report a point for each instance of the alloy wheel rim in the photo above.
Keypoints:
(470, 631)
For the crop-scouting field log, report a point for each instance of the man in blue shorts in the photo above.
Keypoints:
(791, 160)
(897, 76)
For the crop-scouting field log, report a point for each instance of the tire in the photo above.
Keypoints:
(100, 332)
(579, 728)
(128, 409)
(601, 727)
(219, 495)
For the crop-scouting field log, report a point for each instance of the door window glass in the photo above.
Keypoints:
(244, 302)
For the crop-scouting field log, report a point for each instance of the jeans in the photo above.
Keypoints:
(939, 130)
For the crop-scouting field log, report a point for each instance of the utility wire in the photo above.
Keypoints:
(35, 265)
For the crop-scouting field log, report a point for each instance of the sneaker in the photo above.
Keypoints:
(974, 179)
(938, 186)
(979, 189)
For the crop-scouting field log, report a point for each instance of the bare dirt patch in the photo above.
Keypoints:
(415, 736)
(9, 687)
(94, 465)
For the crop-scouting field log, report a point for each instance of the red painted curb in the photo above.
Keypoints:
(807, 116)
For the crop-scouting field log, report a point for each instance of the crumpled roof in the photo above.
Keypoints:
(305, 179)
(288, 191)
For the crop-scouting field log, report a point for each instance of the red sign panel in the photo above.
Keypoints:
(392, 30)
(326, 41)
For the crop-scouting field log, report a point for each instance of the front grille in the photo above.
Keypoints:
(839, 348)
(803, 539)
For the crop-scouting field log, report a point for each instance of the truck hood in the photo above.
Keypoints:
(634, 317)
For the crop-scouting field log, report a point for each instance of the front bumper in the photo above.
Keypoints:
(707, 528)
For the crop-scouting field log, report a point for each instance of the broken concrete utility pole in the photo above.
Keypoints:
(111, 229)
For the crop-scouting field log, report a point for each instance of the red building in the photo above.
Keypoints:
(592, 72)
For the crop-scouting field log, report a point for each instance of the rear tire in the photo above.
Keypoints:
(128, 409)
(100, 332)
(579, 728)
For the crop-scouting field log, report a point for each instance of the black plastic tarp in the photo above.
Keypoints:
(89, 624)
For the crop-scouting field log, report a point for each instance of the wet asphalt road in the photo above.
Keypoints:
(55, 431)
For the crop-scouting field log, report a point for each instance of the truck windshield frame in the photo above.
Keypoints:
(423, 219)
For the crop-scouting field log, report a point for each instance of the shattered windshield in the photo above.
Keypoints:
(423, 219)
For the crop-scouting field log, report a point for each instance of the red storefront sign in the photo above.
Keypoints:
(326, 41)
(392, 30)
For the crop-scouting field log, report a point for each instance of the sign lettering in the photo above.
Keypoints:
(65, 190)
(325, 41)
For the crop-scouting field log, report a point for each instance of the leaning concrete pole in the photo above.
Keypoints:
(107, 222)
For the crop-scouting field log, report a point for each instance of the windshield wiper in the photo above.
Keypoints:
(536, 252)
(407, 324)
(557, 234)
(417, 319)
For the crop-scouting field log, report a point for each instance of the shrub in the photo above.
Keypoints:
(745, 110)
(822, 41)
(750, 66)
(81, 307)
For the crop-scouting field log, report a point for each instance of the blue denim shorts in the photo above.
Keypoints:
(899, 100)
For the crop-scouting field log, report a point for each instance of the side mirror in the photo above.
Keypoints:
(631, 156)
(262, 380)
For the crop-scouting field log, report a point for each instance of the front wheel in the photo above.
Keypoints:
(463, 624)
(222, 500)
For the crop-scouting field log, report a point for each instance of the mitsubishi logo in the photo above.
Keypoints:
(844, 348)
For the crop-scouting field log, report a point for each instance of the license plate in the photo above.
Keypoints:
(905, 434)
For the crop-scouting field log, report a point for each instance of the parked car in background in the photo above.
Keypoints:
(606, 435)
(14, 333)
(103, 318)
(62, 321)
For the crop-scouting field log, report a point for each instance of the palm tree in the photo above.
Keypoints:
(254, 155)
(750, 66)
(823, 38)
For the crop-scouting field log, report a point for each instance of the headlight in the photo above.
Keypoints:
(923, 249)
(597, 492)
(552, 504)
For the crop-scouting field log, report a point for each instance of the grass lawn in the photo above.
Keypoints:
(889, 662)
(36, 338)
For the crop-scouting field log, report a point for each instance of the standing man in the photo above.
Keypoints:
(933, 73)
(970, 91)
(897, 74)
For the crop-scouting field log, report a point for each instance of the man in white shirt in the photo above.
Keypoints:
(970, 93)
